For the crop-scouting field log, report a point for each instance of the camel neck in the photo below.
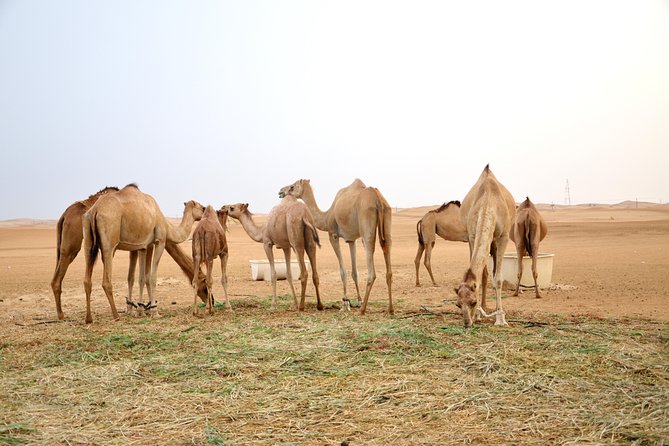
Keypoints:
(320, 217)
(485, 228)
(252, 229)
(179, 234)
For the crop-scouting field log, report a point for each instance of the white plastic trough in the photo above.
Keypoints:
(510, 269)
(260, 269)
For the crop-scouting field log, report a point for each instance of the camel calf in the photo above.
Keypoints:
(528, 230)
(209, 242)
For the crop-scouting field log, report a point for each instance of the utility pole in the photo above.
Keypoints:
(567, 195)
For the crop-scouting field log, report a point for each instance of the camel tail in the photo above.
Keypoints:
(382, 209)
(59, 236)
(309, 227)
(419, 231)
(529, 231)
(92, 228)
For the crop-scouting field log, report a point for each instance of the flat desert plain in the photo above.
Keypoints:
(610, 262)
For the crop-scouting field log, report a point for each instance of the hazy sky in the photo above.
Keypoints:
(227, 101)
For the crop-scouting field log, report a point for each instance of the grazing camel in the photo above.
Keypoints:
(357, 212)
(528, 230)
(289, 225)
(69, 235)
(209, 242)
(446, 223)
(130, 220)
(488, 212)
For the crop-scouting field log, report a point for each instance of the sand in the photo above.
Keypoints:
(610, 262)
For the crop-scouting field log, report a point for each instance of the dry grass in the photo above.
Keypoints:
(257, 378)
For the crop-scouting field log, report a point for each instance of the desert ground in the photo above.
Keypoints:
(585, 364)
(610, 262)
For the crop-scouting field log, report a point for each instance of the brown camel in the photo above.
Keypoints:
(289, 225)
(209, 242)
(488, 212)
(130, 220)
(357, 211)
(528, 230)
(444, 222)
(69, 236)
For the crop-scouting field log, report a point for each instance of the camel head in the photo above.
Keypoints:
(222, 214)
(195, 208)
(235, 210)
(296, 189)
(468, 297)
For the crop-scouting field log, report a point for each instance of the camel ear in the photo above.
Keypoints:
(456, 290)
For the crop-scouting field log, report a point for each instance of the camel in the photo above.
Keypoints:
(289, 225)
(356, 212)
(528, 230)
(209, 242)
(488, 211)
(69, 236)
(131, 220)
(444, 222)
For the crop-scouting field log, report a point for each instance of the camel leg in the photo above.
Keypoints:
(311, 253)
(520, 251)
(428, 261)
(304, 277)
(88, 285)
(132, 266)
(483, 288)
(144, 273)
(519, 274)
(371, 274)
(107, 260)
(64, 261)
(272, 269)
(289, 277)
(210, 267)
(195, 282)
(334, 241)
(224, 278)
(498, 279)
(389, 275)
(416, 261)
(354, 268)
(152, 307)
(534, 272)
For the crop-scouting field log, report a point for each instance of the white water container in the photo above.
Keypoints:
(260, 269)
(510, 269)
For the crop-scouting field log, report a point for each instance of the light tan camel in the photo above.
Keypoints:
(130, 220)
(289, 225)
(444, 222)
(528, 230)
(209, 242)
(69, 237)
(357, 212)
(488, 212)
